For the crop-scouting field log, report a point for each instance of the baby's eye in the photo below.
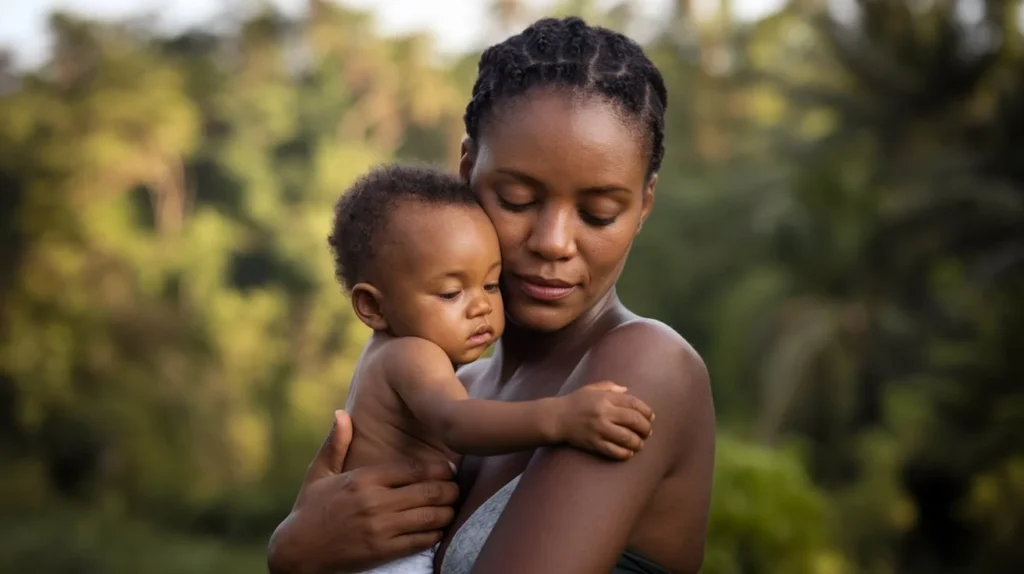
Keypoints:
(491, 287)
(450, 295)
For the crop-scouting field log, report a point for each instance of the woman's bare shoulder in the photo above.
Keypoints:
(646, 342)
(648, 330)
(549, 523)
(655, 363)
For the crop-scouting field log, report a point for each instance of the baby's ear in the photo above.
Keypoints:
(367, 302)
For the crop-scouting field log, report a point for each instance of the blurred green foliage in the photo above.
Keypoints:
(839, 230)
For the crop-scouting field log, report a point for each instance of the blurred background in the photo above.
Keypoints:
(839, 230)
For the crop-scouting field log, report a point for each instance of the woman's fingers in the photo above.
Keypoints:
(372, 499)
(412, 543)
(330, 459)
(420, 520)
(403, 473)
(414, 496)
(403, 533)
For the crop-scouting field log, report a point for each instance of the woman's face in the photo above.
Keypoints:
(563, 179)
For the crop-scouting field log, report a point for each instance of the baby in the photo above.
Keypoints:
(421, 262)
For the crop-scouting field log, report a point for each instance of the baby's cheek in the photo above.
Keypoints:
(452, 322)
(430, 321)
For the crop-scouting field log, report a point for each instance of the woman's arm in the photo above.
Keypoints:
(573, 513)
(349, 522)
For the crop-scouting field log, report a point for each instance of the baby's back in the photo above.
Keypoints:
(384, 429)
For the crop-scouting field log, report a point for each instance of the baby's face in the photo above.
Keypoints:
(440, 267)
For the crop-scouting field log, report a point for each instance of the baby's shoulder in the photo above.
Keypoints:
(413, 348)
(412, 358)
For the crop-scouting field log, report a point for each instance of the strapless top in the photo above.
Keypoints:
(469, 540)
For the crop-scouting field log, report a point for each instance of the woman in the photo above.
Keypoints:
(564, 141)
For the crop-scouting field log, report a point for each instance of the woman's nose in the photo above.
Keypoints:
(553, 234)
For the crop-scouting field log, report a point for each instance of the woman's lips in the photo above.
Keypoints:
(544, 289)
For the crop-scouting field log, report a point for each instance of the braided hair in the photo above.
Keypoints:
(570, 54)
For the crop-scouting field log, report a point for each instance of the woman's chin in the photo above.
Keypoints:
(538, 317)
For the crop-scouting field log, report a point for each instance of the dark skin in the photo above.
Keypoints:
(563, 179)
(564, 182)
(434, 301)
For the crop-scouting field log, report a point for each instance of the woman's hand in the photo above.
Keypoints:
(352, 521)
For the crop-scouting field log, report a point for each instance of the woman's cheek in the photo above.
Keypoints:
(511, 232)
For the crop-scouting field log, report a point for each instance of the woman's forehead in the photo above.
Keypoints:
(558, 136)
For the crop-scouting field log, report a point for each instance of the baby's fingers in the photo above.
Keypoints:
(631, 402)
(632, 420)
(608, 386)
(614, 451)
(623, 436)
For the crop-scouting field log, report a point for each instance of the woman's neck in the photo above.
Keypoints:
(521, 344)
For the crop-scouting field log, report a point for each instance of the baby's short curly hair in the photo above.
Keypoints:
(361, 213)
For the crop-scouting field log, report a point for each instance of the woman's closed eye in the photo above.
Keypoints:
(601, 210)
(515, 197)
(596, 221)
(513, 206)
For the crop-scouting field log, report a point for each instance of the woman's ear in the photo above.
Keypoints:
(647, 202)
(467, 158)
(368, 304)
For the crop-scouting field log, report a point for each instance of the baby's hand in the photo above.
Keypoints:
(601, 418)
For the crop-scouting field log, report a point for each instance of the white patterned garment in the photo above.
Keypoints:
(470, 538)
(419, 563)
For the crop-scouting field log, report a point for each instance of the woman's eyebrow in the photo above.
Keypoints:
(606, 190)
(522, 177)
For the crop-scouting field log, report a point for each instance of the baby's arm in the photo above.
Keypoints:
(600, 418)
